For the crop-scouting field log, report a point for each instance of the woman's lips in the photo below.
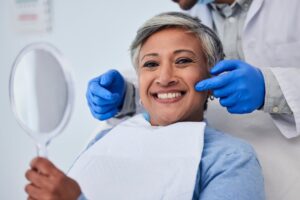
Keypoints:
(168, 97)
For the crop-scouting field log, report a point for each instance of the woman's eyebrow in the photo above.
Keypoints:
(149, 54)
(184, 51)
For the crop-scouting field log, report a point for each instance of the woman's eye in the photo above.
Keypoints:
(183, 61)
(150, 64)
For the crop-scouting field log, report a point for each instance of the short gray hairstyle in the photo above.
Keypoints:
(211, 44)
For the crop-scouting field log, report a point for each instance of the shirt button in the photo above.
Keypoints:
(275, 109)
(231, 19)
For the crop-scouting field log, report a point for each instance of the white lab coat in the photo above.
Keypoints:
(271, 38)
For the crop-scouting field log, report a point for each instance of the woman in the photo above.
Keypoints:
(170, 53)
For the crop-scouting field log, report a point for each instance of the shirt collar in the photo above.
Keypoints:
(228, 10)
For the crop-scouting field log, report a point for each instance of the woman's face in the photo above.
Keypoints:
(170, 63)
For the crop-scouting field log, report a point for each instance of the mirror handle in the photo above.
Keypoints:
(42, 149)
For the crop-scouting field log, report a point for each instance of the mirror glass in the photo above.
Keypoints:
(41, 92)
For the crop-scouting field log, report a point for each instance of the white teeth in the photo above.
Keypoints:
(168, 95)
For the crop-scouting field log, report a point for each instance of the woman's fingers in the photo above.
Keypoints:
(37, 179)
(44, 166)
(33, 191)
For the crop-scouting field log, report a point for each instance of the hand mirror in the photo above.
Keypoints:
(41, 93)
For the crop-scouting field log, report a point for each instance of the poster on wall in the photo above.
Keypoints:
(32, 16)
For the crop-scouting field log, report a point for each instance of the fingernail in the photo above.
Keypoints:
(102, 81)
(32, 161)
(213, 70)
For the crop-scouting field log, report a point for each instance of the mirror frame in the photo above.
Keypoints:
(69, 81)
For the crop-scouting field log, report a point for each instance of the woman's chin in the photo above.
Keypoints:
(164, 120)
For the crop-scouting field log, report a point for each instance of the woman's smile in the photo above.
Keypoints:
(168, 96)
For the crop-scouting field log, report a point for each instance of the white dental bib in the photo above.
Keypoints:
(137, 161)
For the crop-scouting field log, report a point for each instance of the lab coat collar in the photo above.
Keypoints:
(253, 10)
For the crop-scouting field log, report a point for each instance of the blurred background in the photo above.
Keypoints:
(94, 36)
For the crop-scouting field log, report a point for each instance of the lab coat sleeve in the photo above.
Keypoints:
(288, 80)
(275, 101)
(129, 106)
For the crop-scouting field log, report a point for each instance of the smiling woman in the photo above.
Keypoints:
(171, 53)
(171, 63)
(173, 155)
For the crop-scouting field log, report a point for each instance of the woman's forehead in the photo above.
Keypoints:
(175, 39)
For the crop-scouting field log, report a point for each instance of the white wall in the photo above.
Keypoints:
(94, 35)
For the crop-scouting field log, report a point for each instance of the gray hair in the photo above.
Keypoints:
(211, 44)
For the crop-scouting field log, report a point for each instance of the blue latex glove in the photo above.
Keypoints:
(105, 94)
(241, 88)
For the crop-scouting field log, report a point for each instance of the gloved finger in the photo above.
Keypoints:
(224, 91)
(93, 82)
(95, 115)
(104, 116)
(225, 65)
(109, 114)
(214, 82)
(108, 78)
(239, 109)
(100, 91)
(228, 101)
(102, 109)
(96, 80)
(98, 101)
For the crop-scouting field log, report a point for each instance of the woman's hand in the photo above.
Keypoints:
(48, 182)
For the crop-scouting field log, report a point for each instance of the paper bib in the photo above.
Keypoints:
(138, 161)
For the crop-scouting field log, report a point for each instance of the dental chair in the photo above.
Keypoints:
(279, 157)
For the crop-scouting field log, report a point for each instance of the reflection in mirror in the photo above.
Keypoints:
(41, 93)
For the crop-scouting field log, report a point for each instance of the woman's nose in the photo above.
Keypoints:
(166, 77)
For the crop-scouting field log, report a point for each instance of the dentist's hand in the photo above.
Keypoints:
(105, 94)
(48, 182)
(240, 86)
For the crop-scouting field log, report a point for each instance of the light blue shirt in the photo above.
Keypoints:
(229, 169)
